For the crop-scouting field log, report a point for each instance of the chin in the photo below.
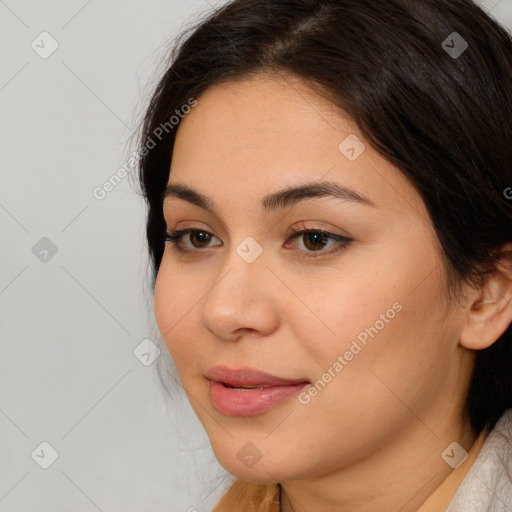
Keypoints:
(260, 472)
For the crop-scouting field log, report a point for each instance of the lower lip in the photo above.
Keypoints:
(249, 402)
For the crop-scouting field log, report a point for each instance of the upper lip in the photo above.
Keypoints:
(248, 377)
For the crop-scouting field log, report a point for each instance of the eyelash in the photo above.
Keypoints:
(174, 238)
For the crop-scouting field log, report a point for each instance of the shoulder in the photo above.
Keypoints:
(488, 484)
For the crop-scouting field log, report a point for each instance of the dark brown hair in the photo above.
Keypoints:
(444, 120)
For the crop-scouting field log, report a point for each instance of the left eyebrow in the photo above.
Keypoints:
(281, 199)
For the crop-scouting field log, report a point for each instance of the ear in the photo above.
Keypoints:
(490, 310)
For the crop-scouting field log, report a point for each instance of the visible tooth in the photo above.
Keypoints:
(243, 387)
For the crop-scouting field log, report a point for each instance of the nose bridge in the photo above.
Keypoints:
(245, 265)
(243, 269)
(241, 296)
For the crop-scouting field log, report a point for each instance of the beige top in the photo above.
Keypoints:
(244, 496)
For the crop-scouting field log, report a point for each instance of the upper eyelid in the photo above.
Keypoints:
(353, 198)
(289, 232)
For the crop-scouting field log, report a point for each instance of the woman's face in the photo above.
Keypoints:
(365, 322)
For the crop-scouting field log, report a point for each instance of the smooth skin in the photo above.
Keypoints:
(372, 438)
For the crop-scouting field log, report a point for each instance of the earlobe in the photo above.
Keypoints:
(490, 314)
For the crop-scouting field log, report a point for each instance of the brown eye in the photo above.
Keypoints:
(199, 238)
(315, 240)
(203, 238)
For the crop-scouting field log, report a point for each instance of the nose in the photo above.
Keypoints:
(242, 299)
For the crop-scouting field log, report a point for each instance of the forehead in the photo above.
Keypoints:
(265, 113)
(249, 137)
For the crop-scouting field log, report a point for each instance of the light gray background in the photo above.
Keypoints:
(70, 323)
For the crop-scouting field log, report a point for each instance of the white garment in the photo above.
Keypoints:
(487, 486)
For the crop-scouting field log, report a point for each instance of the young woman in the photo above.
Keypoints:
(330, 227)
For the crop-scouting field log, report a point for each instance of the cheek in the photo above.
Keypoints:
(388, 354)
(173, 304)
(164, 301)
(377, 335)
(350, 306)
